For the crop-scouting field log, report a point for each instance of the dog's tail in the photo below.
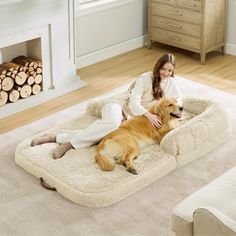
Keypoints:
(105, 163)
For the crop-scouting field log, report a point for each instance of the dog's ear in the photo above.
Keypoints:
(156, 108)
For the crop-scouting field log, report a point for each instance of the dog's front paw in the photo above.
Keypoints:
(132, 171)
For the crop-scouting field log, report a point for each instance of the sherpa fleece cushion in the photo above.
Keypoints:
(207, 130)
(77, 177)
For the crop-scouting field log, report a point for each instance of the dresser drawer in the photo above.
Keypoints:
(174, 39)
(175, 13)
(176, 26)
(189, 4)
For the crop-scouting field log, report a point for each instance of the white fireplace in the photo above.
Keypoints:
(41, 29)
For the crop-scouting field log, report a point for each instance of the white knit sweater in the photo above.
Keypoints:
(139, 98)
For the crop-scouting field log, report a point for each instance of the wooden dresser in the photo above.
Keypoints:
(195, 25)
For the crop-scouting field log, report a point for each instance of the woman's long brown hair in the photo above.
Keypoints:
(156, 82)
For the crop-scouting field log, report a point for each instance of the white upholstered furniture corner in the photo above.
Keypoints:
(211, 211)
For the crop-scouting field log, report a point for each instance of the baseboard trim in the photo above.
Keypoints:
(123, 47)
(109, 52)
(230, 49)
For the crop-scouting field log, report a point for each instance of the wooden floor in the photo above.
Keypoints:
(219, 72)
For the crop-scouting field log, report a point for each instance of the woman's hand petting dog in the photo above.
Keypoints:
(154, 119)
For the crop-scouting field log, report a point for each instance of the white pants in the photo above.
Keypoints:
(111, 120)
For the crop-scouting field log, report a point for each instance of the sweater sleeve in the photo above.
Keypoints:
(135, 98)
(172, 90)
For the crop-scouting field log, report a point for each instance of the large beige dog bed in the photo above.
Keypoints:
(77, 177)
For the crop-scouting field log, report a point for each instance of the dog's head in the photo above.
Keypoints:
(168, 108)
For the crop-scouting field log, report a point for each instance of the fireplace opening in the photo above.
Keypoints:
(21, 71)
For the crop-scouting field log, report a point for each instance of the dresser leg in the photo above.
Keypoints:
(203, 58)
(223, 50)
(149, 43)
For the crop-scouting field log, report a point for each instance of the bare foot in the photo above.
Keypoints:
(61, 150)
(46, 138)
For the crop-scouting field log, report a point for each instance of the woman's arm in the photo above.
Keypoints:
(172, 90)
(134, 104)
(135, 97)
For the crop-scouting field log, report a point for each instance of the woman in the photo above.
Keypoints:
(146, 89)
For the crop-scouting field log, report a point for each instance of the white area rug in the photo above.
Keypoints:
(28, 209)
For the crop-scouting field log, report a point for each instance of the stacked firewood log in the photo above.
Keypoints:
(20, 78)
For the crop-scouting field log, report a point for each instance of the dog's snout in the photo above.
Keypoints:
(181, 108)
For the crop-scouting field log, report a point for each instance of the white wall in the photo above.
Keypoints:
(231, 32)
(109, 32)
(112, 31)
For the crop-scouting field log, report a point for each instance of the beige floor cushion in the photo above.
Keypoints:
(77, 177)
(207, 130)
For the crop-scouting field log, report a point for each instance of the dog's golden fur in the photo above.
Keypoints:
(123, 145)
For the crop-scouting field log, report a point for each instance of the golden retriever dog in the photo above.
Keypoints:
(123, 145)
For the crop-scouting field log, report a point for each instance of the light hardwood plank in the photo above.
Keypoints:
(219, 72)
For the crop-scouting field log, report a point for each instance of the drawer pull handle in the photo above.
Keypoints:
(174, 25)
(175, 38)
(176, 13)
(189, 5)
